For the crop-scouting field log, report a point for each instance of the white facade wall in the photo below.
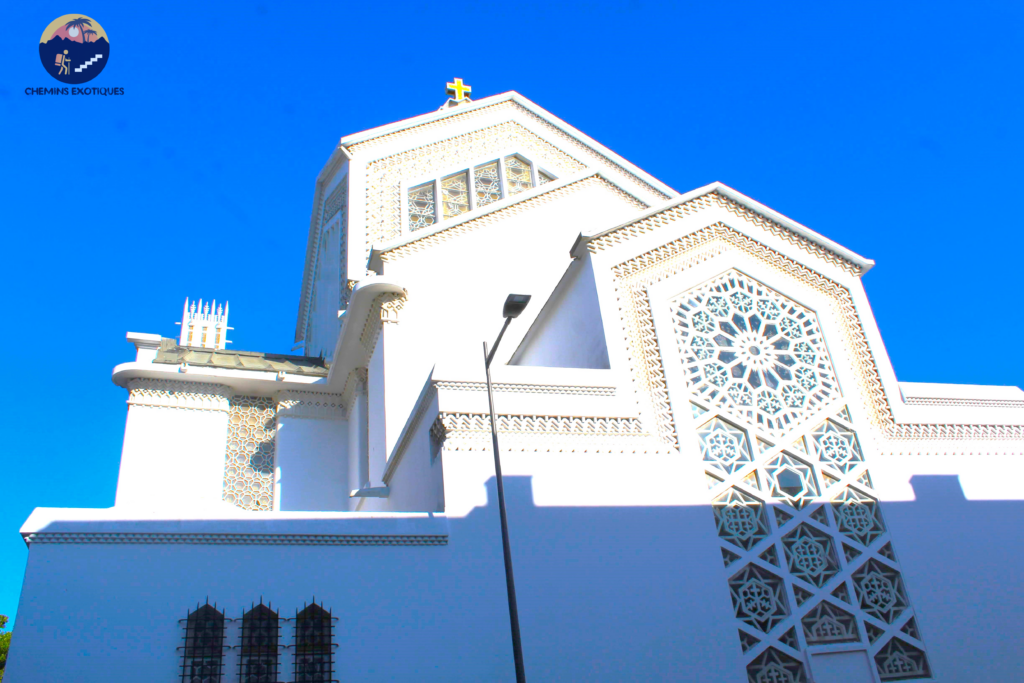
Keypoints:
(312, 464)
(172, 457)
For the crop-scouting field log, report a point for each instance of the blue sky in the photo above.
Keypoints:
(893, 129)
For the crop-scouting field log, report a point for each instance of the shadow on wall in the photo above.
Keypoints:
(962, 563)
(605, 594)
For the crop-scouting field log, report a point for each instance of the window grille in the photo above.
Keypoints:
(468, 189)
(258, 654)
(249, 461)
(455, 194)
(422, 209)
(314, 645)
(518, 175)
(203, 653)
(808, 557)
(487, 184)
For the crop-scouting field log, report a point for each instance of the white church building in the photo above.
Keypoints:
(711, 471)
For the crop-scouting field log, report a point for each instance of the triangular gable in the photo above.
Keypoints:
(721, 195)
(383, 161)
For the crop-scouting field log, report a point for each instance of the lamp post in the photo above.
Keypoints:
(514, 305)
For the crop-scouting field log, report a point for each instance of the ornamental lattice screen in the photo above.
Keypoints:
(249, 461)
(808, 555)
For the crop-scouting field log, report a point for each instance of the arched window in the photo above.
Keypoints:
(314, 645)
(203, 659)
(258, 660)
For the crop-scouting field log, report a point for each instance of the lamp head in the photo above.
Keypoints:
(514, 305)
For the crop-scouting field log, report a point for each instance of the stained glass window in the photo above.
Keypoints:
(518, 175)
(455, 194)
(487, 184)
(422, 207)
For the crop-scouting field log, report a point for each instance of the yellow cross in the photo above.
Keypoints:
(458, 90)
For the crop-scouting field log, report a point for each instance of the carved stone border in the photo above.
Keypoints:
(308, 404)
(712, 200)
(159, 393)
(236, 539)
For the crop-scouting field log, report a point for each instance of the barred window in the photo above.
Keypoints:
(258, 656)
(203, 658)
(314, 645)
(452, 195)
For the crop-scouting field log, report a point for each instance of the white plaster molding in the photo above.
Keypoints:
(184, 395)
(358, 336)
(963, 402)
(510, 388)
(543, 424)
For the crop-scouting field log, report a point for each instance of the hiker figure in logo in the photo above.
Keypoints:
(64, 62)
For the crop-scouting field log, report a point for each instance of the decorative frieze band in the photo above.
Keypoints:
(963, 402)
(543, 424)
(237, 539)
(955, 432)
(711, 200)
(528, 388)
(158, 393)
(337, 199)
(307, 404)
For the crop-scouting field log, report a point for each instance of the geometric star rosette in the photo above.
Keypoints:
(724, 445)
(837, 446)
(753, 353)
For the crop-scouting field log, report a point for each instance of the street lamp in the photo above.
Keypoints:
(514, 305)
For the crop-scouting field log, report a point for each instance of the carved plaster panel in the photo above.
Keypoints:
(156, 393)
(308, 404)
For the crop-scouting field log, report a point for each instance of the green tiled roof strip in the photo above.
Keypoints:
(172, 354)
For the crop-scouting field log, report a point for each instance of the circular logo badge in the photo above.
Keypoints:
(74, 49)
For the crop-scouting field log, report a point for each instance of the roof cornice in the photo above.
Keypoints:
(864, 264)
(512, 96)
